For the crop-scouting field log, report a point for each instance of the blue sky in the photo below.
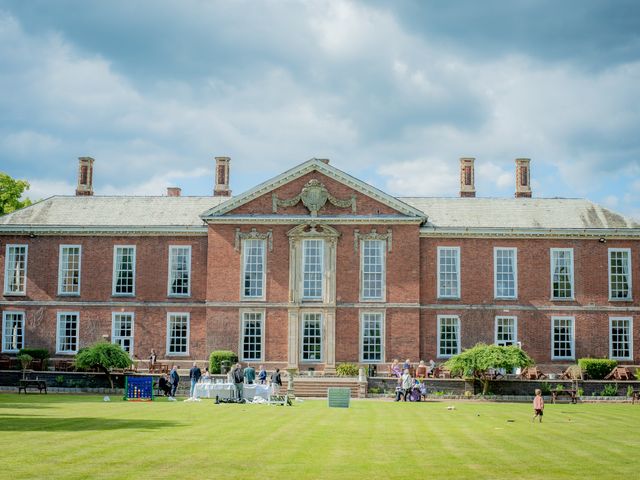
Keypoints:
(392, 92)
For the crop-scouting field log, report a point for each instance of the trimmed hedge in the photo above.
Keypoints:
(347, 370)
(596, 368)
(218, 356)
(38, 353)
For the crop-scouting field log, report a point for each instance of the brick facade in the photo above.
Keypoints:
(410, 308)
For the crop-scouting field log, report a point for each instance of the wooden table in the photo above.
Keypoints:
(568, 392)
(39, 384)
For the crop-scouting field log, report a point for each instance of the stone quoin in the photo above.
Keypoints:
(315, 267)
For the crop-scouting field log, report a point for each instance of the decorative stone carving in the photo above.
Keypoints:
(314, 195)
(254, 234)
(373, 235)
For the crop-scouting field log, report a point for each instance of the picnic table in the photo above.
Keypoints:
(25, 384)
(620, 373)
(568, 392)
(158, 368)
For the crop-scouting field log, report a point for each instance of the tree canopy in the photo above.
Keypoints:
(477, 362)
(10, 192)
(103, 356)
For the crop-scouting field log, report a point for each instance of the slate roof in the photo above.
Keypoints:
(129, 211)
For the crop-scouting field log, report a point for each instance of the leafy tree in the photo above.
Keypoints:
(25, 360)
(10, 192)
(103, 356)
(477, 361)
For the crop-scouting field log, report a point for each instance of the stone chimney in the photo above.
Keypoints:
(221, 188)
(85, 176)
(324, 160)
(467, 178)
(523, 178)
(173, 191)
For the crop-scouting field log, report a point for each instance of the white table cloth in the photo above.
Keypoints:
(227, 391)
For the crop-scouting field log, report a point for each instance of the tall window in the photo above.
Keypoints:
(562, 337)
(253, 271)
(124, 270)
(448, 335)
(372, 268)
(15, 270)
(311, 337)
(67, 332)
(69, 270)
(449, 272)
(312, 268)
(12, 331)
(178, 334)
(506, 331)
(620, 338)
(180, 271)
(122, 331)
(620, 274)
(505, 261)
(371, 337)
(562, 273)
(252, 336)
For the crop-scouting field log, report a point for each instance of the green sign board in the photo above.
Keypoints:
(339, 397)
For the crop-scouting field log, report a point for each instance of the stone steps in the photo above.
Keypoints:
(317, 387)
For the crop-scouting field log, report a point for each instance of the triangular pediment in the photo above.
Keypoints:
(314, 188)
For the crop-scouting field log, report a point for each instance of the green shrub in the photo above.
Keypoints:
(545, 388)
(36, 353)
(376, 390)
(596, 368)
(580, 392)
(347, 370)
(629, 391)
(609, 390)
(218, 356)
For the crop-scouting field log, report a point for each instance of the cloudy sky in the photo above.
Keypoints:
(392, 92)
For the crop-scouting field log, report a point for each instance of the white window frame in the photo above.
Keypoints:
(6, 269)
(382, 334)
(573, 338)
(323, 285)
(262, 296)
(170, 271)
(115, 337)
(383, 274)
(515, 329)
(5, 314)
(515, 273)
(458, 335)
(58, 319)
(243, 321)
(552, 270)
(458, 283)
(629, 297)
(630, 320)
(114, 273)
(168, 334)
(61, 271)
(322, 337)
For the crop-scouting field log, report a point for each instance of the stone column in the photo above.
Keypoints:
(330, 341)
(294, 341)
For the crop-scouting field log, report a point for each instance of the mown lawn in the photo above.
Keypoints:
(72, 437)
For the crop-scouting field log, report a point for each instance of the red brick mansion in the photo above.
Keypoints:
(315, 267)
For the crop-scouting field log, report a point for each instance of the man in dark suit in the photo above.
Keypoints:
(194, 374)
(174, 379)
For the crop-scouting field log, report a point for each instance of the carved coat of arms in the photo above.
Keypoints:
(314, 195)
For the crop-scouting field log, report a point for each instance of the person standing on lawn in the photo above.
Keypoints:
(238, 380)
(174, 379)
(262, 375)
(249, 374)
(538, 406)
(194, 374)
(276, 382)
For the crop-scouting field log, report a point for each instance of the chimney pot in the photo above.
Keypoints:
(523, 178)
(467, 177)
(173, 191)
(221, 188)
(85, 176)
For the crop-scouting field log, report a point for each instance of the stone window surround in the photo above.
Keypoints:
(263, 318)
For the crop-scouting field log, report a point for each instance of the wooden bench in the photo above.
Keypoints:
(572, 394)
(35, 384)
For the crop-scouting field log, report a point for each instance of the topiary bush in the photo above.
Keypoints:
(347, 370)
(218, 356)
(596, 368)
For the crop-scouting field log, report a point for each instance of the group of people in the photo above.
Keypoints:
(411, 388)
(421, 371)
(168, 384)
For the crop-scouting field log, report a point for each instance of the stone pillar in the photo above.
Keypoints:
(294, 341)
(330, 341)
